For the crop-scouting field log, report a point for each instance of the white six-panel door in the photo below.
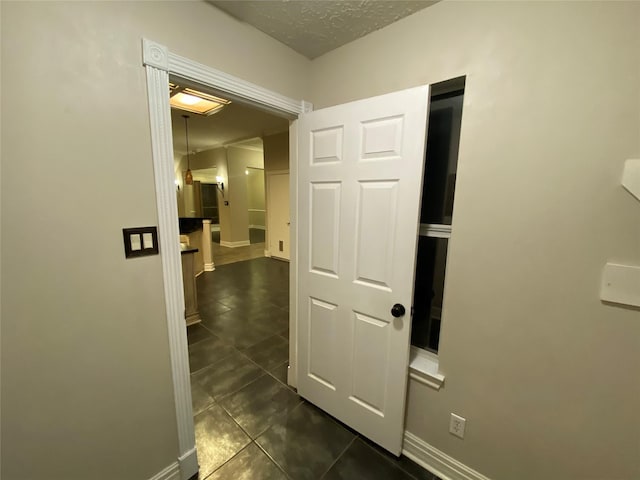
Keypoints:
(360, 168)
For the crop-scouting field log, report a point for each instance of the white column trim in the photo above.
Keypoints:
(292, 372)
(188, 462)
(168, 235)
(207, 253)
(160, 63)
(236, 88)
(155, 55)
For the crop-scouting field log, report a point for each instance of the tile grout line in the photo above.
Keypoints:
(338, 457)
(273, 460)
(391, 463)
(262, 372)
(268, 426)
(232, 457)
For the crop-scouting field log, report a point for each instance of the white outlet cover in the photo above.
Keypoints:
(457, 425)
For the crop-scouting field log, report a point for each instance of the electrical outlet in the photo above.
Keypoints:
(456, 425)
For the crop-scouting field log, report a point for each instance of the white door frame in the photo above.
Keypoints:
(160, 63)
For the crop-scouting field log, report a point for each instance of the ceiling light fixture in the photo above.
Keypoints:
(188, 178)
(188, 99)
(195, 101)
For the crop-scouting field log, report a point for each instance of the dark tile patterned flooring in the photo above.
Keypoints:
(249, 424)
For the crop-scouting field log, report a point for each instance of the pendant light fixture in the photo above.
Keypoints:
(188, 178)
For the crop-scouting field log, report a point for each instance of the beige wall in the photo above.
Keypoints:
(231, 163)
(86, 381)
(276, 152)
(255, 197)
(239, 159)
(546, 375)
(276, 157)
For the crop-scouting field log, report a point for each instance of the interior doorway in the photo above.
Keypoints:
(220, 164)
(159, 65)
(238, 349)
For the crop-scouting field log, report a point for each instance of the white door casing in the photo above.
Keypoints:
(159, 63)
(278, 214)
(360, 169)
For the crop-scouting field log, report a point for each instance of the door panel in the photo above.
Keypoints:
(377, 203)
(325, 229)
(326, 146)
(366, 390)
(360, 169)
(322, 365)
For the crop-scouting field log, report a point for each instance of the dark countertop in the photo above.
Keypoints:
(191, 224)
(187, 249)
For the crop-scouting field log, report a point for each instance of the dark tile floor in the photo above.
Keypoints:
(249, 424)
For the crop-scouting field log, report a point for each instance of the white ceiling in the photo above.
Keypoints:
(234, 123)
(315, 27)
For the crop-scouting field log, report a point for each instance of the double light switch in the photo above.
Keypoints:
(140, 241)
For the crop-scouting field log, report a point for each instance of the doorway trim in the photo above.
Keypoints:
(159, 63)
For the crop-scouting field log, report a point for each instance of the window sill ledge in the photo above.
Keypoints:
(423, 368)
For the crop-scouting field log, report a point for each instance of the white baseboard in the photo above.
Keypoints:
(241, 243)
(209, 267)
(437, 462)
(172, 472)
(258, 227)
(188, 464)
(266, 253)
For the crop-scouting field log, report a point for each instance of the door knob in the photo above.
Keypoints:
(398, 310)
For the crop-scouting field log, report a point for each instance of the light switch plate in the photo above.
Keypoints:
(621, 284)
(140, 241)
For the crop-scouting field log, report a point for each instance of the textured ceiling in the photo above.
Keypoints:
(315, 27)
(232, 124)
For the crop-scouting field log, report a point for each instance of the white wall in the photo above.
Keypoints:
(546, 375)
(86, 381)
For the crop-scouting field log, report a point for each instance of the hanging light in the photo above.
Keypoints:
(188, 178)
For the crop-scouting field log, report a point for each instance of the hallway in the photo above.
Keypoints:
(226, 255)
(249, 424)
